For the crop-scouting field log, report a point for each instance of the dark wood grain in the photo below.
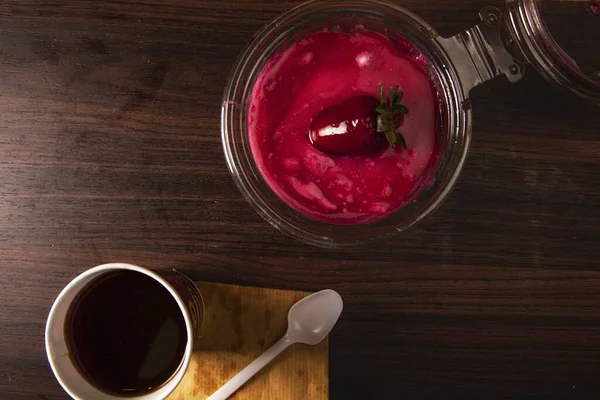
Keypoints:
(110, 151)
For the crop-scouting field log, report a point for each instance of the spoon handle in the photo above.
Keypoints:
(244, 375)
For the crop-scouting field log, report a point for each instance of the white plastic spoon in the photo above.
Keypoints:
(309, 321)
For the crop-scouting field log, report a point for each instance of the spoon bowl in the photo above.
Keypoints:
(311, 319)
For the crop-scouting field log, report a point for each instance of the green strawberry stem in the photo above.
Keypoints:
(390, 113)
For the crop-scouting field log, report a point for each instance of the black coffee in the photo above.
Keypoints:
(126, 334)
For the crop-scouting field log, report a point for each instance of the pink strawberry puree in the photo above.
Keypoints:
(323, 70)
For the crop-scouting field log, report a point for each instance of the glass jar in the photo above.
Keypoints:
(498, 45)
(533, 32)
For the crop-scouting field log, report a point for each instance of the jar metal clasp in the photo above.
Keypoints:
(480, 53)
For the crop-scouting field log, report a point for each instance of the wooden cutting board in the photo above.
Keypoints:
(239, 324)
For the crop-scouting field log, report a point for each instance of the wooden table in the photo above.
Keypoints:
(110, 150)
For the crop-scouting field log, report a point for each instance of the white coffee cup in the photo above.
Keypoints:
(183, 290)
